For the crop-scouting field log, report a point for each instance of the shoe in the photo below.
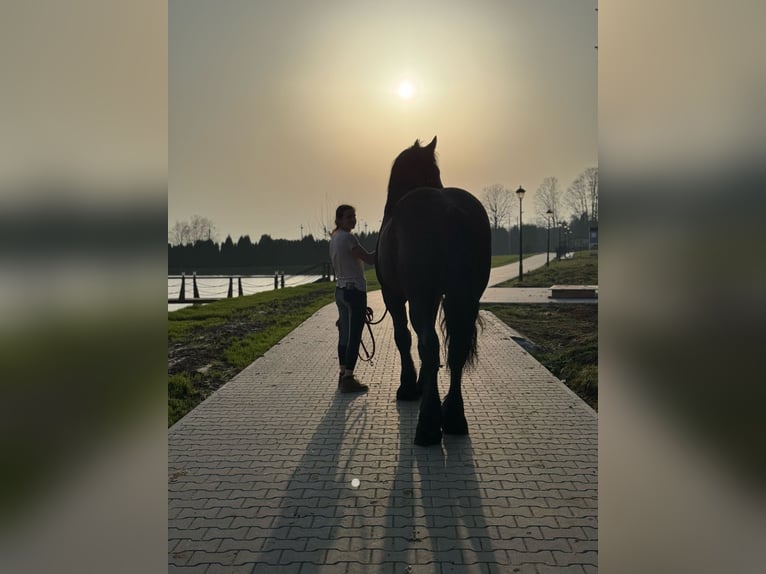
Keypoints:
(351, 385)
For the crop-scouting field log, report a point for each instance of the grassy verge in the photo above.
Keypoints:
(565, 341)
(499, 260)
(581, 269)
(209, 344)
(564, 337)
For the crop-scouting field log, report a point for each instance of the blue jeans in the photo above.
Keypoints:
(352, 305)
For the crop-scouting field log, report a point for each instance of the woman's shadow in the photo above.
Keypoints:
(305, 522)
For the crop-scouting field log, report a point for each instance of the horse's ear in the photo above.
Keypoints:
(432, 146)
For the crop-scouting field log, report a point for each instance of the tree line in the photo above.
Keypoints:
(549, 201)
(262, 257)
(309, 255)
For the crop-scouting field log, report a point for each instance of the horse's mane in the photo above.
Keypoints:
(414, 167)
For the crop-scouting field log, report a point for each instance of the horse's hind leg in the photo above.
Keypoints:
(453, 413)
(423, 317)
(407, 390)
(461, 345)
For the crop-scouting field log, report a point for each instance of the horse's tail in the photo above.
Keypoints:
(460, 307)
(459, 328)
(468, 263)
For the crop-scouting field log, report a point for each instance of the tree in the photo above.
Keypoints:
(582, 194)
(244, 243)
(591, 179)
(228, 253)
(189, 232)
(325, 221)
(179, 234)
(548, 197)
(202, 229)
(497, 203)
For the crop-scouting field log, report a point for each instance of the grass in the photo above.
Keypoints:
(500, 260)
(565, 336)
(210, 344)
(581, 269)
(565, 341)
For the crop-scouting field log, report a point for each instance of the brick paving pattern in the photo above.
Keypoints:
(260, 475)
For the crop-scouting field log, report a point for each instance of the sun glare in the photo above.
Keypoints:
(406, 90)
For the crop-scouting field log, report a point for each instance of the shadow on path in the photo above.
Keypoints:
(435, 517)
(308, 525)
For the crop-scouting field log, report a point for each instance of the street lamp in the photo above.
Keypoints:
(520, 194)
(563, 239)
(548, 252)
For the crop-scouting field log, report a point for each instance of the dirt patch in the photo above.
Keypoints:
(204, 355)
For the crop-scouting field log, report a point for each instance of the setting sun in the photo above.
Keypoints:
(406, 90)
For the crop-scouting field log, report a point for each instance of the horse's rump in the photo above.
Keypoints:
(434, 239)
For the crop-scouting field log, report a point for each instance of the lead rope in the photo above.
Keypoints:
(368, 315)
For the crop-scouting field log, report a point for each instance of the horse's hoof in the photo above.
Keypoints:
(427, 438)
(453, 418)
(459, 427)
(407, 394)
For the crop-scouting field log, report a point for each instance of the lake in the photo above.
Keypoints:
(218, 286)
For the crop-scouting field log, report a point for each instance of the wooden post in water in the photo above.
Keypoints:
(239, 286)
(194, 284)
(182, 294)
(276, 280)
(282, 280)
(231, 288)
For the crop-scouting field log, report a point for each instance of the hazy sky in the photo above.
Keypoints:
(280, 110)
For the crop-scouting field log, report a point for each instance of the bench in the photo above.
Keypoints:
(574, 292)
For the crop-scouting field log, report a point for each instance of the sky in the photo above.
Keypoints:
(280, 111)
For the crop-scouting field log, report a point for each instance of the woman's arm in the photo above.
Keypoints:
(359, 252)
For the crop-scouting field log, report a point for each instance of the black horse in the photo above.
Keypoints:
(434, 247)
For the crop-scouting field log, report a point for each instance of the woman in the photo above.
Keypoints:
(348, 258)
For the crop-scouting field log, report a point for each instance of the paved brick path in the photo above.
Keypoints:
(260, 474)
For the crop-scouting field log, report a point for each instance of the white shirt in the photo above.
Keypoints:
(349, 269)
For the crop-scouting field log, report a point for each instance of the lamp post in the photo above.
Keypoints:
(520, 194)
(565, 233)
(548, 251)
(560, 248)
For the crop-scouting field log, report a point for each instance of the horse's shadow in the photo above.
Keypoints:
(435, 503)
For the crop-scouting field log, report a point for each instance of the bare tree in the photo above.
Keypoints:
(325, 221)
(579, 193)
(497, 203)
(548, 197)
(202, 229)
(591, 184)
(179, 233)
(188, 232)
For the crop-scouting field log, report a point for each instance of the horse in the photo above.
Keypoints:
(434, 248)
